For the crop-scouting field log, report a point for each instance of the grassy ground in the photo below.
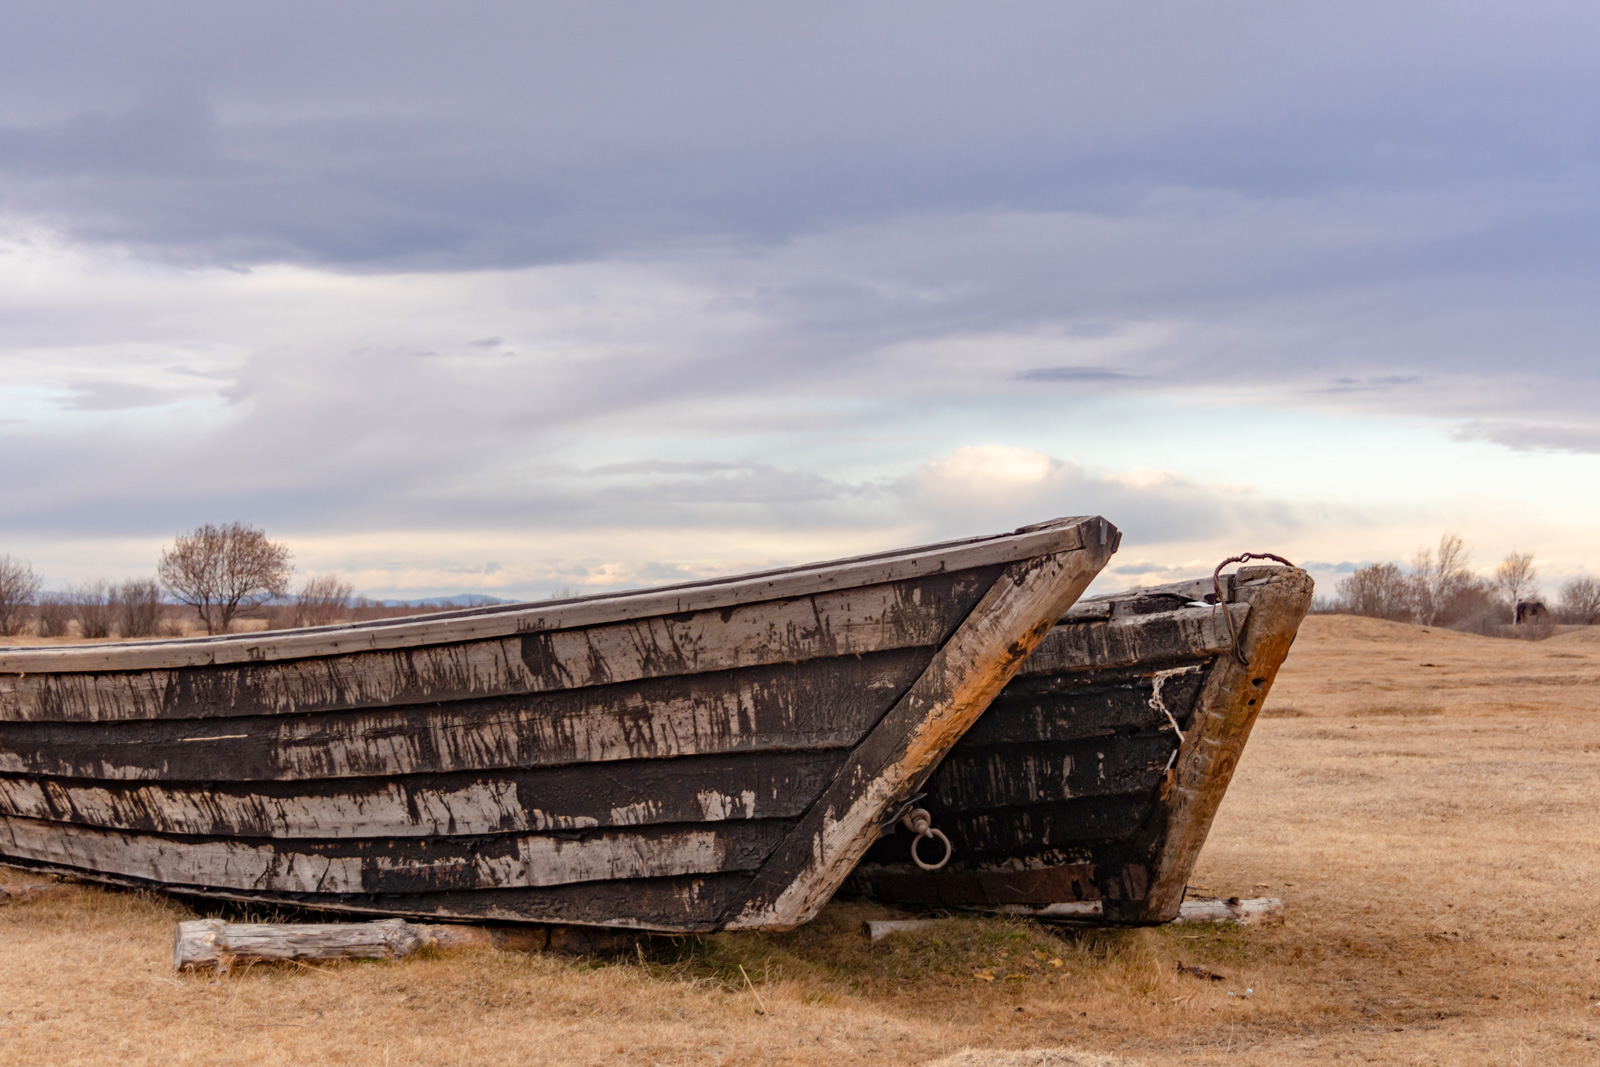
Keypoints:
(1424, 801)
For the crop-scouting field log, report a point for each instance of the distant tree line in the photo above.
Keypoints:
(219, 572)
(1440, 589)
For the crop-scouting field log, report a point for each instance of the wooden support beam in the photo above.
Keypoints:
(878, 929)
(1260, 911)
(213, 944)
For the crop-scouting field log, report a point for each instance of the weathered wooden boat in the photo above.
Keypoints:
(1087, 789)
(709, 755)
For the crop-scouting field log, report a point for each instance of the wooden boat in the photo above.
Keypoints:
(709, 755)
(1088, 787)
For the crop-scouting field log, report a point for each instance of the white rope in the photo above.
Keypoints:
(1156, 681)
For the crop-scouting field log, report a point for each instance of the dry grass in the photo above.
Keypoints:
(1430, 827)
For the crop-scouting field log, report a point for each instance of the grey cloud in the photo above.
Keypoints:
(1074, 374)
(1529, 436)
(116, 396)
(396, 136)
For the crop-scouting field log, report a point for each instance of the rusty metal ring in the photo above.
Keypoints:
(919, 861)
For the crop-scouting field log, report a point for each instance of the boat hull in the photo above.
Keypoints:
(1088, 787)
(712, 755)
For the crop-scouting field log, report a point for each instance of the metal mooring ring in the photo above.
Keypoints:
(919, 861)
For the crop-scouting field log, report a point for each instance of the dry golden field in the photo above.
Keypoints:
(1426, 803)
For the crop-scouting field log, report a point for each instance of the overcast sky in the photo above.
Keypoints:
(511, 298)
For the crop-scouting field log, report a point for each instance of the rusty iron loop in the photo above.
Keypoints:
(920, 862)
(919, 822)
(1222, 601)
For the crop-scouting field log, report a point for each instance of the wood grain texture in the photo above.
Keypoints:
(1150, 641)
(982, 779)
(1279, 598)
(632, 793)
(1068, 770)
(917, 613)
(413, 865)
(892, 762)
(813, 704)
(667, 761)
(1114, 703)
(477, 624)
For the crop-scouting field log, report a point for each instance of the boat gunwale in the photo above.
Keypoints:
(494, 621)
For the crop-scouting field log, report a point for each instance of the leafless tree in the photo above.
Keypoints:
(1514, 577)
(53, 615)
(1580, 600)
(91, 608)
(18, 586)
(1379, 590)
(136, 603)
(1437, 580)
(223, 570)
(322, 601)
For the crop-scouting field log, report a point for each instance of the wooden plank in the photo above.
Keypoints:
(1090, 711)
(681, 904)
(1255, 911)
(214, 945)
(811, 705)
(1187, 634)
(878, 929)
(217, 946)
(396, 866)
(1062, 883)
(1042, 828)
(916, 613)
(1279, 598)
(645, 792)
(982, 779)
(1074, 881)
(480, 623)
(960, 682)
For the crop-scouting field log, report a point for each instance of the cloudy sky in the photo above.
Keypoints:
(512, 298)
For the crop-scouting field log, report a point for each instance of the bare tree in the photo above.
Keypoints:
(53, 615)
(90, 604)
(223, 570)
(18, 586)
(1580, 600)
(322, 601)
(1436, 581)
(1379, 590)
(136, 603)
(1515, 577)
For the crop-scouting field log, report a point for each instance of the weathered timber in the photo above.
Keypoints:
(217, 946)
(1254, 911)
(1226, 710)
(878, 929)
(985, 779)
(1074, 786)
(828, 703)
(915, 614)
(717, 754)
(815, 580)
(884, 771)
(1114, 704)
(416, 865)
(573, 797)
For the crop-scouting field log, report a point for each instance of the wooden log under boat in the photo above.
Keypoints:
(715, 754)
(1093, 778)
